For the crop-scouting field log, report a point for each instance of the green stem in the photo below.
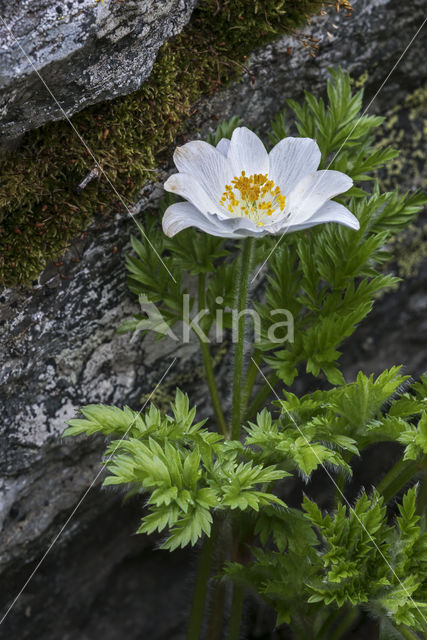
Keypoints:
(345, 625)
(328, 623)
(339, 489)
(242, 294)
(201, 586)
(215, 621)
(236, 612)
(207, 362)
(250, 379)
(210, 377)
(422, 490)
(216, 613)
(398, 476)
(262, 396)
(407, 634)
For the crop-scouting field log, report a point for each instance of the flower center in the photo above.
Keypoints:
(255, 197)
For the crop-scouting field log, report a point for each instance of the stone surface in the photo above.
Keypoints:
(59, 350)
(85, 51)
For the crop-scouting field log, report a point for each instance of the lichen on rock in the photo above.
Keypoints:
(85, 52)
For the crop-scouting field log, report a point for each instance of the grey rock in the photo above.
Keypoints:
(58, 57)
(59, 350)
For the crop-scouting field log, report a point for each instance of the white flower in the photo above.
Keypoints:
(238, 189)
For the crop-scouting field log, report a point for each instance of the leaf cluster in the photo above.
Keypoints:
(349, 418)
(162, 283)
(188, 471)
(329, 276)
(298, 447)
(357, 558)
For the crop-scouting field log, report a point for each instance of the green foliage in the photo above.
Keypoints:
(278, 128)
(366, 560)
(345, 419)
(341, 129)
(354, 550)
(41, 209)
(188, 471)
(305, 448)
(329, 427)
(317, 569)
(332, 289)
(224, 130)
(358, 558)
(150, 279)
(191, 475)
(415, 437)
(279, 573)
(336, 273)
(361, 559)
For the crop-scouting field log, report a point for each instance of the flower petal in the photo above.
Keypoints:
(247, 153)
(181, 215)
(223, 146)
(206, 164)
(313, 191)
(240, 228)
(334, 212)
(189, 188)
(330, 212)
(291, 159)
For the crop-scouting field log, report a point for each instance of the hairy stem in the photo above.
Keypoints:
(213, 390)
(262, 396)
(422, 489)
(339, 488)
(345, 625)
(207, 362)
(215, 623)
(201, 586)
(250, 379)
(242, 294)
(407, 634)
(236, 612)
(216, 614)
(328, 623)
(398, 476)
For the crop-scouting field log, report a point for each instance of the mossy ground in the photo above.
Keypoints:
(41, 210)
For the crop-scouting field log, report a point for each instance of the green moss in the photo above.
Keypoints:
(406, 129)
(40, 210)
(361, 80)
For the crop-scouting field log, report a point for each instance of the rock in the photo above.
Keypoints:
(59, 350)
(85, 51)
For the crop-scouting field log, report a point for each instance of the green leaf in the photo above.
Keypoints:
(224, 129)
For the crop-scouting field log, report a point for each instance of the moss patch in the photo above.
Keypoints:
(406, 129)
(40, 209)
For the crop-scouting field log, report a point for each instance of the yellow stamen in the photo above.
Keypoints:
(254, 196)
